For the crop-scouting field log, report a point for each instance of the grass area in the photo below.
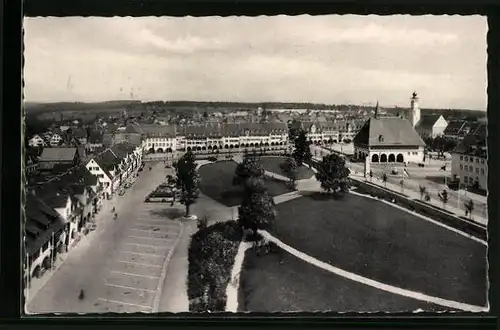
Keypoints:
(217, 183)
(211, 257)
(272, 164)
(281, 282)
(386, 244)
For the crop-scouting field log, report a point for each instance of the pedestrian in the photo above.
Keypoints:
(81, 296)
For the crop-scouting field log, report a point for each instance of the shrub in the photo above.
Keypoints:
(211, 257)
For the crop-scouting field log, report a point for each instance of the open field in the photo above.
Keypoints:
(385, 244)
(217, 183)
(281, 282)
(272, 164)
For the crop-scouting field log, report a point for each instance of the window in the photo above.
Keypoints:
(477, 160)
(482, 171)
(477, 170)
(466, 179)
(461, 157)
(482, 161)
(408, 153)
(466, 158)
(461, 167)
(472, 159)
(471, 168)
(466, 168)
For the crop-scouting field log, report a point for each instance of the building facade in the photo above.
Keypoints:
(390, 139)
(469, 162)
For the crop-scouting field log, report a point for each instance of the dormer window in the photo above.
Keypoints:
(380, 138)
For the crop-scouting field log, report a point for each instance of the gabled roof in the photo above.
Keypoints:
(428, 121)
(107, 161)
(157, 130)
(52, 194)
(388, 131)
(41, 222)
(473, 145)
(57, 154)
(454, 127)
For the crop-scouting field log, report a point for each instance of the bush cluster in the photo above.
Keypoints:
(211, 257)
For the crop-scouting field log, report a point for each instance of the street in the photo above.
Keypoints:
(119, 265)
(417, 179)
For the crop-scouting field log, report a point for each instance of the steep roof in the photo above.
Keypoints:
(41, 222)
(473, 145)
(57, 154)
(454, 127)
(388, 131)
(427, 121)
(107, 161)
(157, 130)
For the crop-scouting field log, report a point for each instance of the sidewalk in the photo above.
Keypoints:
(80, 243)
(416, 195)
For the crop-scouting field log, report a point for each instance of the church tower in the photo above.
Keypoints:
(415, 110)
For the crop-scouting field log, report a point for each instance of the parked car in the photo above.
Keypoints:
(121, 192)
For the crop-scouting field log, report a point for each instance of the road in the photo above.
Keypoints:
(418, 178)
(119, 265)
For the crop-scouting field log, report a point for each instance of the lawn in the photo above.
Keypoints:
(217, 183)
(281, 282)
(272, 164)
(383, 243)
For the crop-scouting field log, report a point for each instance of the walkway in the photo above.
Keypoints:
(370, 282)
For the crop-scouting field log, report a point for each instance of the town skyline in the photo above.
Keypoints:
(320, 59)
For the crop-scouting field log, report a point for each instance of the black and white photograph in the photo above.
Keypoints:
(329, 163)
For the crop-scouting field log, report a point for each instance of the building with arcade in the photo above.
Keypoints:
(391, 139)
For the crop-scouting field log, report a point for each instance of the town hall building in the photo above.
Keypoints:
(391, 139)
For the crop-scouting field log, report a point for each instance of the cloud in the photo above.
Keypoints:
(331, 59)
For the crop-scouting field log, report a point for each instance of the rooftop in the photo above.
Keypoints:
(388, 131)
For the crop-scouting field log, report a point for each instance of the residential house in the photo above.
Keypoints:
(43, 229)
(36, 141)
(64, 157)
(431, 126)
(55, 140)
(469, 161)
(80, 134)
(94, 141)
(102, 166)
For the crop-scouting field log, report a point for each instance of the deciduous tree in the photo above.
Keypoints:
(257, 211)
(333, 174)
(443, 196)
(302, 151)
(187, 180)
(469, 207)
(290, 170)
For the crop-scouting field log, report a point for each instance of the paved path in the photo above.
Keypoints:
(120, 267)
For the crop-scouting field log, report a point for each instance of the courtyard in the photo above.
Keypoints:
(216, 181)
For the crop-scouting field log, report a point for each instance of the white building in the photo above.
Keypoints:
(469, 162)
(431, 126)
(55, 140)
(36, 141)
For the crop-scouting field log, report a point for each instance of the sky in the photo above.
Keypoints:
(325, 59)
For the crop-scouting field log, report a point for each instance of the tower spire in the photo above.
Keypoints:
(376, 110)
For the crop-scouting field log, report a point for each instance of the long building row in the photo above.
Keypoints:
(169, 138)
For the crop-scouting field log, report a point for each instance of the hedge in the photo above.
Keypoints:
(211, 256)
